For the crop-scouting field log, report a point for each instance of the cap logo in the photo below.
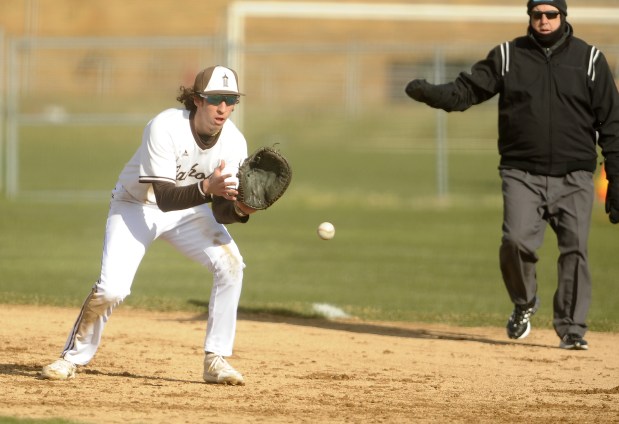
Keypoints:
(217, 80)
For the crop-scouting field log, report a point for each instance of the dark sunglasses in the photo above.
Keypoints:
(549, 15)
(216, 99)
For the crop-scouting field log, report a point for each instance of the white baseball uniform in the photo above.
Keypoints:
(168, 153)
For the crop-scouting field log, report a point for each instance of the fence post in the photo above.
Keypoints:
(442, 169)
(352, 83)
(12, 155)
(2, 107)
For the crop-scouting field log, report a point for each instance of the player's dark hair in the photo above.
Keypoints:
(186, 97)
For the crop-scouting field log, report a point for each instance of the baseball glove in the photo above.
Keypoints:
(263, 178)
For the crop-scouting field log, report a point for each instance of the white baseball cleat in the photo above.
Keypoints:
(61, 369)
(218, 371)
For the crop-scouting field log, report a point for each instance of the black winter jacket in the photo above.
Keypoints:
(551, 105)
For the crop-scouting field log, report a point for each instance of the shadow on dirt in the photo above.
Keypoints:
(34, 371)
(285, 316)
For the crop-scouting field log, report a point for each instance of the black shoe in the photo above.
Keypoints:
(519, 323)
(574, 342)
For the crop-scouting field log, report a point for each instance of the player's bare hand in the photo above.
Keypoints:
(219, 184)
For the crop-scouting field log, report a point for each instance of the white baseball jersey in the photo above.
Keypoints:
(169, 153)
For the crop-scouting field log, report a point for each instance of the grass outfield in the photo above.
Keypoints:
(399, 253)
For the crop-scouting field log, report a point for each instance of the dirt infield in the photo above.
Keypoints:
(306, 371)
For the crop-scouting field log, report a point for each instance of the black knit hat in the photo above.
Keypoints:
(559, 4)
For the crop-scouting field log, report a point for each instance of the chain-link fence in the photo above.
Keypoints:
(74, 105)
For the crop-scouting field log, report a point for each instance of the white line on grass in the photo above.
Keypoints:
(329, 311)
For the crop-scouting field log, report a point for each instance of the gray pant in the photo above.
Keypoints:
(530, 202)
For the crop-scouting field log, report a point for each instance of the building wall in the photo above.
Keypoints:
(208, 18)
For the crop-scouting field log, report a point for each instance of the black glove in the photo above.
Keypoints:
(441, 96)
(417, 89)
(612, 199)
(263, 178)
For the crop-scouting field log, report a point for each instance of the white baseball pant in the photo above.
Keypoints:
(131, 228)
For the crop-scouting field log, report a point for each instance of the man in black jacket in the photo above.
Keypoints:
(557, 100)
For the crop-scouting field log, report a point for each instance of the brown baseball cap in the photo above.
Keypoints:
(217, 80)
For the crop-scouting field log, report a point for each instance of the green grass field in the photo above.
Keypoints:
(400, 252)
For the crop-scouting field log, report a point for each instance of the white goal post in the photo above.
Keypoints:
(239, 11)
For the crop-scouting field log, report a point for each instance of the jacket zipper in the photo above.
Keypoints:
(548, 53)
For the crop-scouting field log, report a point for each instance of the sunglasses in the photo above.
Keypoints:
(216, 99)
(549, 15)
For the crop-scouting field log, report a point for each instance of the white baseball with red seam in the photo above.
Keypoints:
(326, 231)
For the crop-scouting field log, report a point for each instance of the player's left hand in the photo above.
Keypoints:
(612, 199)
(263, 178)
(247, 210)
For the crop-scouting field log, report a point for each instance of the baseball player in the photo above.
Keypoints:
(188, 158)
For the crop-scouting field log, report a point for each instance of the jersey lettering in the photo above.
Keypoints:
(193, 173)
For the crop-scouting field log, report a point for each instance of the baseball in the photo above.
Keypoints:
(326, 231)
(233, 181)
